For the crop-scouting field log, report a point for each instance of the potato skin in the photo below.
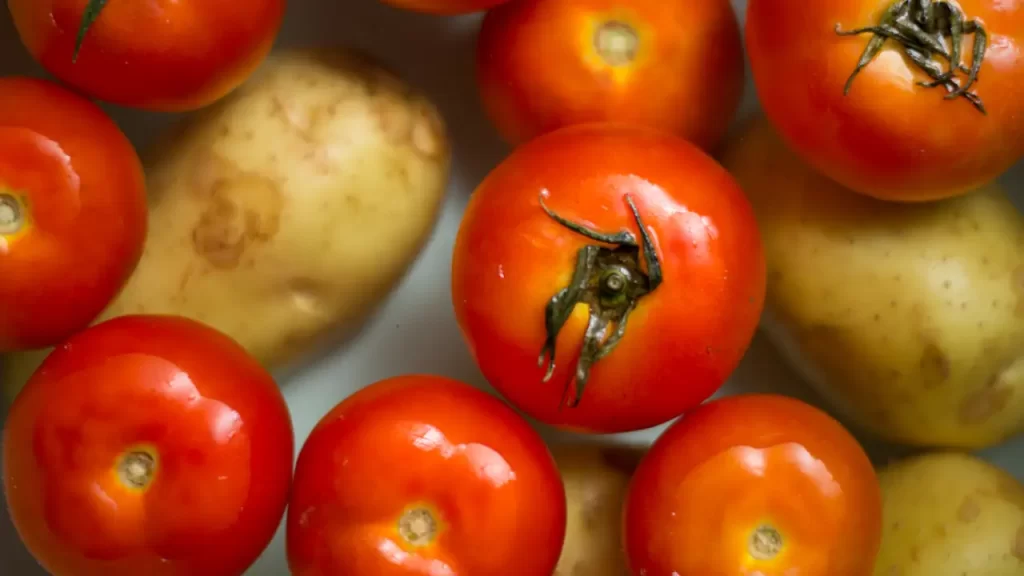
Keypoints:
(950, 514)
(596, 477)
(910, 317)
(286, 212)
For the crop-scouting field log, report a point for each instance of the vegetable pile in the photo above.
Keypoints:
(608, 276)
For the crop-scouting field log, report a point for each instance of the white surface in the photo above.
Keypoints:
(416, 331)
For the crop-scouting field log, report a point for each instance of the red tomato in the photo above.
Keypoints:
(881, 132)
(72, 212)
(148, 445)
(444, 6)
(420, 475)
(671, 64)
(168, 56)
(582, 316)
(756, 485)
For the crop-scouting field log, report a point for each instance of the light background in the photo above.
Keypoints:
(415, 331)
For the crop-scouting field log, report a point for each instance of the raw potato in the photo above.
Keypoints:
(286, 212)
(909, 316)
(596, 478)
(950, 515)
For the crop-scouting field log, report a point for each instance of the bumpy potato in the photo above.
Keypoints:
(286, 212)
(950, 514)
(596, 478)
(909, 316)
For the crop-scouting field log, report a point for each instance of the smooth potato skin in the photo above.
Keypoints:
(910, 317)
(950, 514)
(596, 477)
(289, 210)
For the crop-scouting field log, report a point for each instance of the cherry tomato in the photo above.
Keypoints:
(754, 485)
(876, 128)
(671, 64)
(72, 212)
(148, 445)
(444, 6)
(165, 56)
(608, 277)
(420, 475)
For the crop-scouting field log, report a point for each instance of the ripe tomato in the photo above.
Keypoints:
(584, 229)
(448, 7)
(72, 212)
(881, 132)
(671, 64)
(756, 485)
(148, 445)
(167, 56)
(424, 475)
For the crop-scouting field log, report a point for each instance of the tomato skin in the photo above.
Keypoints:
(429, 442)
(78, 187)
(741, 462)
(161, 56)
(190, 397)
(539, 66)
(888, 138)
(444, 7)
(682, 340)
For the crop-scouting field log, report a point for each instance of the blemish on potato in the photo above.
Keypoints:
(241, 210)
(1018, 545)
(979, 406)
(968, 511)
(305, 296)
(935, 366)
(1018, 288)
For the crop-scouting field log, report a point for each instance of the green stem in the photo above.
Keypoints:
(92, 12)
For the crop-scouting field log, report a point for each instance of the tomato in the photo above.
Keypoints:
(165, 56)
(671, 64)
(148, 445)
(442, 7)
(72, 212)
(418, 475)
(754, 485)
(881, 132)
(608, 277)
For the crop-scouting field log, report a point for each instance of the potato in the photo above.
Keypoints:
(910, 317)
(949, 514)
(286, 212)
(596, 477)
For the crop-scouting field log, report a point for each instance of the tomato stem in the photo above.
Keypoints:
(610, 281)
(765, 543)
(921, 27)
(418, 526)
(11, 219)
(616, 42)
(136, 469)
(89, 16)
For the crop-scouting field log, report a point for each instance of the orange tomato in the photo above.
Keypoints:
(676, 65)
(881, 132)
(755, 485)
(608, 277)
(148, 445)
(166, 56)
(421, 475)
(72, 212)
(441, 7)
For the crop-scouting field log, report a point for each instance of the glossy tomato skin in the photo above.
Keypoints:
(888, 138)
(416, 452)
(675, 65)
(682, 340)
(744, 463)
(444, 7)
(163, 56)
(76, 186)
(211, 421)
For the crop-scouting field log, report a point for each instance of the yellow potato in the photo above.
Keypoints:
(950, 514)
(910, 317)
(285, 213)
(596, 478)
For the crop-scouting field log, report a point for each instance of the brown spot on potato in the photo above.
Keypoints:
(1018, 288)
(935, 366)
(978, 407)
(968, 511)
(894, 571)
(1018, 544)
(241, 209)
